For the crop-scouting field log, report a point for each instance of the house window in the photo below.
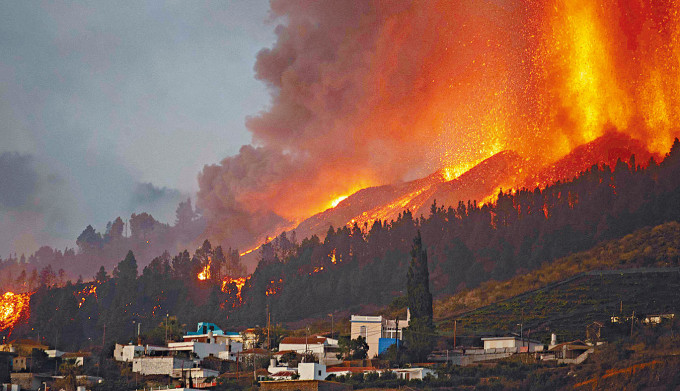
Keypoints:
(362, 331)
(319, 373)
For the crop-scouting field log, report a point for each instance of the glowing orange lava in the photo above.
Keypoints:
(13, 308)
(83, 294)
(338, 200)
(250, 251)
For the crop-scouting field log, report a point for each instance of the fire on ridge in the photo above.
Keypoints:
(14, 307)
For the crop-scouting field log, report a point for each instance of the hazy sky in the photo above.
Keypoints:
(107, 108)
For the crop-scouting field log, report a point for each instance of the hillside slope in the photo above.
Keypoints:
(559, 289)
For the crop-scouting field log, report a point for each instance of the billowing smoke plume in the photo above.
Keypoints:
(368, 92)
(31, 199)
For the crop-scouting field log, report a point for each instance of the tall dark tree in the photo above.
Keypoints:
(89, 239)
(419, 336)
(127, 268)
(418, 282)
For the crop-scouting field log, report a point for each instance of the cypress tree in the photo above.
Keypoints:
(418, 282)
(419, 336)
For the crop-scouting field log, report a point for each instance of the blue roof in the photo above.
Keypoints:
(205, 327)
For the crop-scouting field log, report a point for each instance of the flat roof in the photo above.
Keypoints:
(506, 338)
(370, 319)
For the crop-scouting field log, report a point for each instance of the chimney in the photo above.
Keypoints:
(553, 339)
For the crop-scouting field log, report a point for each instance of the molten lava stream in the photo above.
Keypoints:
(14, 307)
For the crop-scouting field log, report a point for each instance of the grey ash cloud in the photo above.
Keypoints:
(18, 180)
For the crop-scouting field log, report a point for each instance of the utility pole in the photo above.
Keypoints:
(306, 344)
(104, 337)
(397, 335)
(632, 319)
(455, 324)
(167, 315)
(268, 325)
(331, 315)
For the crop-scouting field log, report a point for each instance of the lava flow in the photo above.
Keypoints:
(13, 308)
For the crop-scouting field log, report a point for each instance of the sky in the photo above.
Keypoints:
(110, 108)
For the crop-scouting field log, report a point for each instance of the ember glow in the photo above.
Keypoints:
(13, 308)
(239, 282)
(205, 273)
(274, 287)
(84, 293)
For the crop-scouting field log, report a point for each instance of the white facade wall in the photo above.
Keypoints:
(317, 349)
(160, 365)
(500, 343)
(232, 352)
(511, 343)
(369, 327)
(127, 352)
(414, 373)
(312, 371)
(201, 349)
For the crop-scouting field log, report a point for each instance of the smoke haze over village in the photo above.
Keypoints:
(109, 109)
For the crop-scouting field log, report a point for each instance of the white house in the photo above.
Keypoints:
(312, 371)
(127, 352)
(380, 333)
(170, 366)
(54, 353)
(325, 349)
(511, 344)
(202, 349)
(197, 375)
(413, 373)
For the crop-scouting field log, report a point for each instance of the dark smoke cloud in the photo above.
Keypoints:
(160, 202)
(35, 203)
(18, 181)
(352, 97)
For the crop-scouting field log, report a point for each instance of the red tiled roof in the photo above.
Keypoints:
(282, 352)
(304, 340)
(76, 354)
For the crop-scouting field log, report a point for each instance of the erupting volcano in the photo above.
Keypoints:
(489, 95)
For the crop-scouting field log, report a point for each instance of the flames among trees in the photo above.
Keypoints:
(14, 307)
(467, 245)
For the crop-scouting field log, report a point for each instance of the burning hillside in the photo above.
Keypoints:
(14, 307)
(368, 94)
